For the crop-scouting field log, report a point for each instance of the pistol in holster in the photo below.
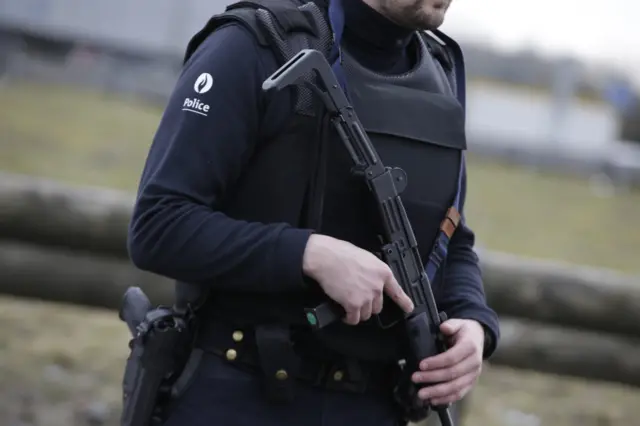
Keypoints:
(160, 348)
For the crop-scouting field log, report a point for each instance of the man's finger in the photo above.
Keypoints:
(452, 398)
(397, 294)
(448, 389)
(365, 311)
(466, 366)
(451, 326)
(453, 356)
(376, 306)
(352, 318)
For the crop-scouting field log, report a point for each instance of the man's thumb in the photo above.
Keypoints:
(451, 327)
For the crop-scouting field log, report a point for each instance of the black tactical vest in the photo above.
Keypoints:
(413, 120)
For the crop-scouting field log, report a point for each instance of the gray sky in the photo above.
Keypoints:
(597, 30)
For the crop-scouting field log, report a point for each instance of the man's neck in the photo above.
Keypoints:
(374, 40)
(366, 24)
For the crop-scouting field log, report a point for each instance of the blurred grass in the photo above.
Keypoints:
(74, 135)
(89, 138)
(553, 216)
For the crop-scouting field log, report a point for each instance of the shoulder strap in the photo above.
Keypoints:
(448, 226)
(443, 54)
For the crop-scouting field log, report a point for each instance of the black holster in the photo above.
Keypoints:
(160, 358)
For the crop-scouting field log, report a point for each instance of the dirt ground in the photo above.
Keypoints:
(61, 366)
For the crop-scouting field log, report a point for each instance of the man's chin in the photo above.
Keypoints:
(434, 20)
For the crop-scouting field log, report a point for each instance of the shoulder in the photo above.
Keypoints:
(235, 60)
(224, 74)
(233, 47)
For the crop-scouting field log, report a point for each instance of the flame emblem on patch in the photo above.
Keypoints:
(203, 83)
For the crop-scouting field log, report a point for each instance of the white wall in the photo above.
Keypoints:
(527, 116)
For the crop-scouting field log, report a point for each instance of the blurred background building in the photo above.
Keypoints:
(545, 111)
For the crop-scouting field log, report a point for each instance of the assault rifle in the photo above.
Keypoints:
(400, 249)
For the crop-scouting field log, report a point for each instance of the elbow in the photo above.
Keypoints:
(143, 246)
(159, 221)
(139, 253)
(155, 230)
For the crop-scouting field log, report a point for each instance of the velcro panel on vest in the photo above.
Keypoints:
(288, 44)
(286, 13)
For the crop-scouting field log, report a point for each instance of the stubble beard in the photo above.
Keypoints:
(414, 16)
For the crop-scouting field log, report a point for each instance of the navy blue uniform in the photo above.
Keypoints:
(216, 118)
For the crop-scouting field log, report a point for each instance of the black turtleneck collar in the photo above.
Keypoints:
(374, 40)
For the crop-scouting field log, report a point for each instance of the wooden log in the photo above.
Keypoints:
(95, 220)
(579, 297)
(550, 349)
(68, 277)
(64, 276)
(51, 213)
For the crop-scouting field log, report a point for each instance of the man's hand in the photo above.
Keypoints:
(456, 370)
(354, 278)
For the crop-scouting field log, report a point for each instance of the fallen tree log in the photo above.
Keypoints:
(44, 274)
(80, 279)
(550, 349)
(580, 297)
(47, 212)
(94, 220)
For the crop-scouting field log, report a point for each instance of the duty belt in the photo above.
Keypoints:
(268, 351)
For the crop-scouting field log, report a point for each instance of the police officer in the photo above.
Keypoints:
(252, 201)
